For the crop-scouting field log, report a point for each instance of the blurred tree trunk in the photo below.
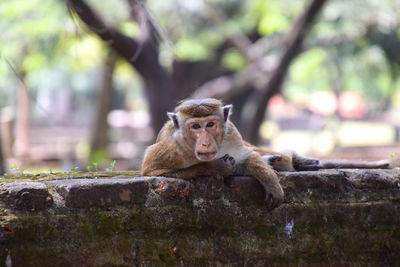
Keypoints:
(294, 41)
(2, 158)
(22, 119)
(162, 88)
(100, 129)
(239, 102)
(388, 40)
(141, 52)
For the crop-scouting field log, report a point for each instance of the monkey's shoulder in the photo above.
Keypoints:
(166, 131)
(168, 153)
(233, 145)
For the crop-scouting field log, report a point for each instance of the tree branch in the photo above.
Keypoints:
(114, 38)
(230, 85)
(142, 55)
(294, 40)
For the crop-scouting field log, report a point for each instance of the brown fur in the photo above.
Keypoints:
(176, 152)
(169, 157)
(278, 161)
(199, 107)
(184, 151)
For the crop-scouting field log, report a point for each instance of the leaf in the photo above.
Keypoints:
(34, 61)
(130, 28)
(191, 49)
(272, 23)
(234, 60)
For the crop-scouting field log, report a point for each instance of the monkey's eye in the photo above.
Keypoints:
(210, 124)
(196, 126)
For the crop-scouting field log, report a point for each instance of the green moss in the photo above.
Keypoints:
(134, 221)
(115, 251)
(43, 255)
(107, 224)
(70, 175)
(221, 233)
(17, 178)
(265, 231)
(166, 255)
(27, 228)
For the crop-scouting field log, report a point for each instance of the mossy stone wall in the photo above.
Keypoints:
(330, 217)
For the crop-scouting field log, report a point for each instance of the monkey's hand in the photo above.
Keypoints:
(301, 163)
(228, 159)
(274, 161)
(273, 196)
(224, 166)
(256, 167)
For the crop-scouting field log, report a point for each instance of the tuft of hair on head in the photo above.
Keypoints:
(199, 107)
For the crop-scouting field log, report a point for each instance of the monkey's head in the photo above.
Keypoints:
(201, 124)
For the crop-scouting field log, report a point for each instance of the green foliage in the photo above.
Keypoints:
(111, 167)
(99, 158)
(233, 60)
(309, 73)
(74, 170)
(58, 53)
(191, 49)
(16, 170)
(272, 22)
(34, 61)
(129, 28)
(308, 66)
(92, 167)
(272, 15)
(96, 165)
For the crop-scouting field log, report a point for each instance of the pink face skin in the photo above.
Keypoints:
(204, 135)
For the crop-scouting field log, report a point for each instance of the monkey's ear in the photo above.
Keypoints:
(226, 111)
(174, 119)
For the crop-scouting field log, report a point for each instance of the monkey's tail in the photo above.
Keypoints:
(393, 162)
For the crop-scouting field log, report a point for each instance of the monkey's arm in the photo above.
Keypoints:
(255, 166)
(161, 160)
(291, 161)
(288, 161)
(276, 160)
(214, 168)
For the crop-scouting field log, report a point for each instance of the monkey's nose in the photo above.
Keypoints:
(206, 144)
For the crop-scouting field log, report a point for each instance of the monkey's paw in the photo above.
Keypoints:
(274, 197)
(301, 163)
(229, 159)
(225, 166)
(272, 160)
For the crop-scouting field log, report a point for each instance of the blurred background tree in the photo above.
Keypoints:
(85, 82)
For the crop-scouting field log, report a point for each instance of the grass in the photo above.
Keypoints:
(49, 174)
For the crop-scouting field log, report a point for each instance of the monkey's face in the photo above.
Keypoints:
(204, 135)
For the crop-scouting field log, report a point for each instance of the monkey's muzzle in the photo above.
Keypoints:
(206, 156)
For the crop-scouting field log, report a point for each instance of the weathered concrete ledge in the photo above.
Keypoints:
(338, 216)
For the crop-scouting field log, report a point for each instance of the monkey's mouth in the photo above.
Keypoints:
(206, 155)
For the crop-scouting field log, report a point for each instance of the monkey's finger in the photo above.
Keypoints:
(272, 202)
(276, 203)
(269, 200)
(225, 157)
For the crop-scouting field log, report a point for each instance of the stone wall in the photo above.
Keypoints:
(331, 217)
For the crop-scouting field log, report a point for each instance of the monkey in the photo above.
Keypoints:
(200, 140)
